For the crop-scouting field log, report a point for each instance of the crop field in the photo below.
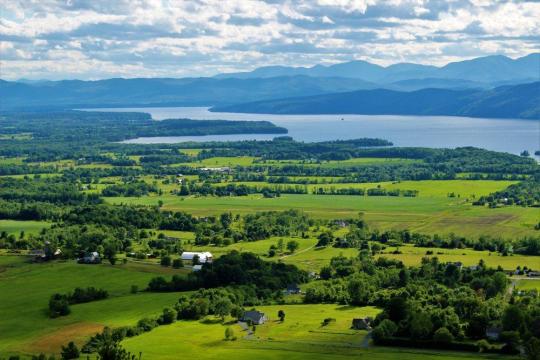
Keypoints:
(429, 214)
(300, 336)
(528, 284)
(312, 258)
(16, 226)
(25, 289)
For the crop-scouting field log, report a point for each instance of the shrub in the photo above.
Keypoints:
(165, 260)
(168, 317)
(71, 351)
(327, 321)
(58, 306)
(177, 263)
(443, 336)
(385, 329)
(147, 324)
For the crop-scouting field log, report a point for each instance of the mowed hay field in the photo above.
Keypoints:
(16, 226)
(312, 258)
(25, 289)
(431, 212)
(300, 336)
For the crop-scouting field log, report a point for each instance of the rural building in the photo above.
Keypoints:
(292, 289)
(204, 257)
(90, 258)
(254, 317)
(533, 274)
(216, 169)
(361, 324)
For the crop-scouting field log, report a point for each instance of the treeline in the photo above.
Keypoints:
(379, 191)
(52, 190)
(439, 303)
(117, 126)
(524, 193)
(252, 227)
(208, 189)
(359, 236)
(135, 188)
(59, 303)
(235, 268)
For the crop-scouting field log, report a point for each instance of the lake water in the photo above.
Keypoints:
(508, 135)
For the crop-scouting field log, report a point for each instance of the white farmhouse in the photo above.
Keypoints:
(204, 257)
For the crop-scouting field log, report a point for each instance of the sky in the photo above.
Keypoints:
(96, 39)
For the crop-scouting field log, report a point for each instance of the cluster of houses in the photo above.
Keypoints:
(224, 169)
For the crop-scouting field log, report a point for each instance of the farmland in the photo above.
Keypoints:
(301, 335)
(355, 224)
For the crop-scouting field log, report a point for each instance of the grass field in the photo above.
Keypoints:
(300, 336)
(25, 290)
(29, 227)
(528, 284)
(422, 214)
(309, 257)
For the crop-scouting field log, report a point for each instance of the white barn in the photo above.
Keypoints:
(204, 257)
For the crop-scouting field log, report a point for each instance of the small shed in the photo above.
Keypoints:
(293, 289)
(90, 258)
(255, 317)
(361, 324)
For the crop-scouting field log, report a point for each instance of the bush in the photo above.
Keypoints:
(385, 329)
(327, 321)
(147, 324)
(168, 317)
(58, 306)
(443, 336)
(134, 289)
(229, 334)
(177, 263)
(70, 351)
(165, 260)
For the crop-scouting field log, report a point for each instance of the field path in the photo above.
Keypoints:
(298, 252)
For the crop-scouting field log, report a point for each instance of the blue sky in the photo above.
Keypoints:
(94, 39)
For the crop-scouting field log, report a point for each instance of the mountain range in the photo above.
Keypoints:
(273, 83)
(494, 70)
(516, 101)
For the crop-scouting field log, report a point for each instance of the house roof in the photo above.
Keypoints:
(253, 315)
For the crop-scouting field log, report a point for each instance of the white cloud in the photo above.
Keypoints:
(103, 38)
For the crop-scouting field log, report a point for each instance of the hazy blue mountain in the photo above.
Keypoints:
(417, 84)
(489, 69)
(519, 101)
(166, 92)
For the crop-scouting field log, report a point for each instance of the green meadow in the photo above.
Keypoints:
(302, 335)
(429, 214)
(25, 289)
(16, 226)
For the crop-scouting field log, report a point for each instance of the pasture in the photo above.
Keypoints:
(25, 289)
(430, 214)
(29, 227)
(300, 336)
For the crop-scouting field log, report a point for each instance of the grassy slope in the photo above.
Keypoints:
(25, 290)
(422, 214)
(301, 336)
(29, 227)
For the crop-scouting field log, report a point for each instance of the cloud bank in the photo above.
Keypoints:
(94, 39)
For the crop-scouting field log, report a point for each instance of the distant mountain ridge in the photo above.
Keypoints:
(518, 101)
(489, 69)
(267, 83)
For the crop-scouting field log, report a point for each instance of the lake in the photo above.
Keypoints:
(508, 135)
